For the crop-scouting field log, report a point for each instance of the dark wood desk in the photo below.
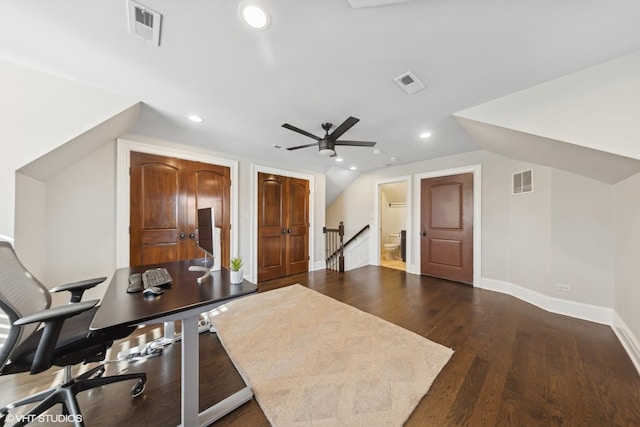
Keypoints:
(185, 300)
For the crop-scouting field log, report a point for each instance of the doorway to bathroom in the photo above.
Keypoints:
(393, 219)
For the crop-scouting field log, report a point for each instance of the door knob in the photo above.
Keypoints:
(192, 235)
(284, 231)
(423, 234)
(182, 236)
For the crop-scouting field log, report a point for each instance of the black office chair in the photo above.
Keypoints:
(64, 340)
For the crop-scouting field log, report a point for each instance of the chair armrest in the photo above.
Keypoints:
(53, 319)
(56, 313)
(78, 288)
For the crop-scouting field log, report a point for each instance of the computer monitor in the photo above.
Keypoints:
(208, 241)
(205, 230)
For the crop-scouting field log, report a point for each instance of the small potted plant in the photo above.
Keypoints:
(236, 270)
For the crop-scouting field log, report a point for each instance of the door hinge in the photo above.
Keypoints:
(129, 229)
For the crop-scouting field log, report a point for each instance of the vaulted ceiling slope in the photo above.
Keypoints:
(323, 61)
(585, 123)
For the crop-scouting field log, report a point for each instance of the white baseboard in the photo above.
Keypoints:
(593, 313)
(627, 339)
(319, 265)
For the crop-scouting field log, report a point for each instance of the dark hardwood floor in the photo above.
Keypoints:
(514, 364)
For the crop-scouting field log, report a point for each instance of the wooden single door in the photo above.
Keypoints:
(209, 186)
(297, 237)
(283, 226)
(165, 193)
(446, 240)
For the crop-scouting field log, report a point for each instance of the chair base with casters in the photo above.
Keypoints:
(40, 337)
(66, 392)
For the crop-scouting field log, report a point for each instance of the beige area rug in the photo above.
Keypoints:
(314, 361)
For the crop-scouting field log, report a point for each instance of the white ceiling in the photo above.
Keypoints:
(321, 61)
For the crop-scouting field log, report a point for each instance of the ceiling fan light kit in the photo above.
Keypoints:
(326, 145)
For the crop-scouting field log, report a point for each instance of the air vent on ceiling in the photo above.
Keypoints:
(409, 82)
(523, 182)
(144, 22)
(357, 4)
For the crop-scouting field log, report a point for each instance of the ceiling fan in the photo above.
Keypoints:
(326, 145)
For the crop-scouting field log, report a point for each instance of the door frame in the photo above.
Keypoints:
(476, 170)
(375, 236)
(124, 147)
(255, 170)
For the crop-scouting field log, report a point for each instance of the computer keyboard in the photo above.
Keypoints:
(156, 277)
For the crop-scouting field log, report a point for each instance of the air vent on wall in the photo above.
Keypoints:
(144, 22)
(409, 82)
(523, 182)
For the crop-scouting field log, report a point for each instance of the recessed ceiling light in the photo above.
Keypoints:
(339, 159)
(254, 15)
(353, 168)
(195, 118)
(425, 135)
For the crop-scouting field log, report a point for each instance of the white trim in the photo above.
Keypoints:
(7, 238)
(592, 313)
(578, 310)
(476, 170)
(374, 245)
(255, 169)
(123, 162)
(627, 339)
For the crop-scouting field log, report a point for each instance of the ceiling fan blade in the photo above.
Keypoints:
(303, 146)
(356, 143)
(304, 132)
(345, 126)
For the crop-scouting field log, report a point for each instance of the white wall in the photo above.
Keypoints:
(560, 233)
(582, 249)
(30, 221)
(80, 222)
(39, 113)
(626, 208)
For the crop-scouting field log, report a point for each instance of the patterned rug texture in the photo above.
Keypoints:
(314, 361)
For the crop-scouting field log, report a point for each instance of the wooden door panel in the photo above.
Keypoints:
(297, 226)
(153, 254)
(156, 217)
(271, 227)
(445, 252)
(211, 188)
(447, 227)
(446, 206)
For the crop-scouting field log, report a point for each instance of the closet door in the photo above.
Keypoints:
(157, 210)
(283, 226)
(297, 240)
(272, 227)
(165, 194)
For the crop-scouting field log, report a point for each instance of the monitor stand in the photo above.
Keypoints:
(206, 270)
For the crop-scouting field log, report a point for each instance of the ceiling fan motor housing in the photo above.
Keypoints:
(326, 146)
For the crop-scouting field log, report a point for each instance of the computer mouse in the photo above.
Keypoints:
(153, 290)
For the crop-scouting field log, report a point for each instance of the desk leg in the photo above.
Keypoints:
(190, 372)
(191, 387)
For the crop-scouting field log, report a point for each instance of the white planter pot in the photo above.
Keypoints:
(236, 277)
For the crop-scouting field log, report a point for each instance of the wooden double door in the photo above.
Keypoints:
(283, 226)
(165, 194)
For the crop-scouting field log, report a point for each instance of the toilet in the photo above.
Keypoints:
(391, 249)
